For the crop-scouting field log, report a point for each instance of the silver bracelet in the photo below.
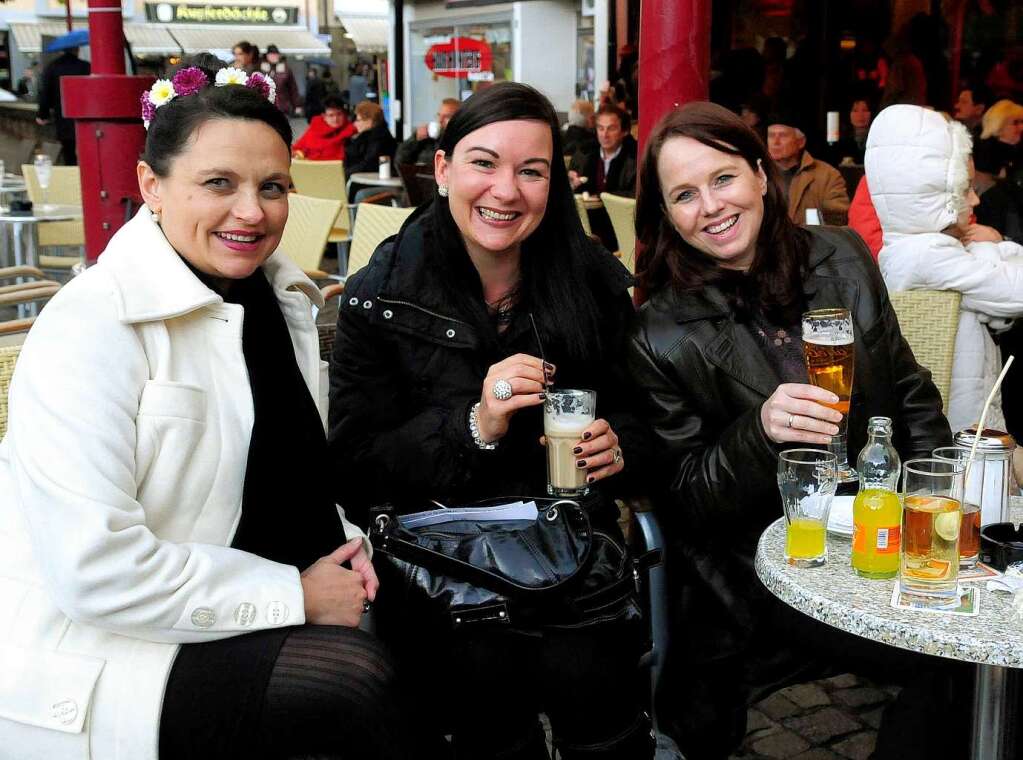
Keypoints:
(474, 429)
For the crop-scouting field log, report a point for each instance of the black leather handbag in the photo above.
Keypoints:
(556, 570)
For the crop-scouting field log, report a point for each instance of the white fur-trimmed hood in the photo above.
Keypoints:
(917, 170)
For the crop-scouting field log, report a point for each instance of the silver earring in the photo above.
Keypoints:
(442, 191)
(155, 216)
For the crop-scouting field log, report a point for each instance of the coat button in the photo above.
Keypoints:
(245, 615)
(277, 613)
(203, 617)
(388, 313)
(367, 304)
(65, 711)
(353, 301)
(450, 333)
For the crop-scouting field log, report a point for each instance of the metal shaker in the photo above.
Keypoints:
(989, 476)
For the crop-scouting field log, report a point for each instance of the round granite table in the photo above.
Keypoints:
(24, 231)
(835, 595)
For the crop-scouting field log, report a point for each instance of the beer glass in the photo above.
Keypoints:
(931, 516)
(807, 480)
(566, 414)
(830, 353)
(973, 488)
(44, 169)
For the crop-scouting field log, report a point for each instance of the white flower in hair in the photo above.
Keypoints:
(162, 92)
(231, 75)
(272, 95)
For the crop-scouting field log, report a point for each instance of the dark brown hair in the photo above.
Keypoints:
(777, 269)
(609, 109)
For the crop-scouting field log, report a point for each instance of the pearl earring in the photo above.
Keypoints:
(442, 191)
(155, 216)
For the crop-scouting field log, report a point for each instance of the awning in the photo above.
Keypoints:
(369, 33)
(199, 39)
(145, 39)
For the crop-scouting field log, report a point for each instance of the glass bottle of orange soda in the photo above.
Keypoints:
(877, 513)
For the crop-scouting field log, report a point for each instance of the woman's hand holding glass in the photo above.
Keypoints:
(335, 595)
(795, 413)
(526, 376)
(598, 452)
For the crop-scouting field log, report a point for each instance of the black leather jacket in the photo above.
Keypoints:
(704, 379)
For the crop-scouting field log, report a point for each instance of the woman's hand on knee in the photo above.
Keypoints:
(520, 381)
(333, 594)
(795, 413)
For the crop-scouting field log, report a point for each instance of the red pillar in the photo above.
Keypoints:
(109, 128)
(674, 66)
(674, 57)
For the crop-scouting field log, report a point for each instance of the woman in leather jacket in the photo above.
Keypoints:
(717, 352)
(437, 388)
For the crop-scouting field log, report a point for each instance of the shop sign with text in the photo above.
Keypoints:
(200, 13)
(460, 57)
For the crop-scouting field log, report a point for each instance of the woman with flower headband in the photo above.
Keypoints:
(176, 585)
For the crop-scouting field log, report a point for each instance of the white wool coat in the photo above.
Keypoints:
(916, 165)
(120, 491)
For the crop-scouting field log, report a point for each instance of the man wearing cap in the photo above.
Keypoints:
(287, 89)
(811, 184)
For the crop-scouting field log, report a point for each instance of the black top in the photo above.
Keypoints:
(992, 155)
(363, 151)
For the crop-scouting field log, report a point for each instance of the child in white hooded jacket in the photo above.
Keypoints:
(920, 173)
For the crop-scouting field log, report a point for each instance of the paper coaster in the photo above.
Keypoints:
(969, 602)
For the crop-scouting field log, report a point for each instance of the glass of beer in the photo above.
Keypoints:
(566, 414)
(807, 479)
(969, 530)
(829, 352)
(931, 518)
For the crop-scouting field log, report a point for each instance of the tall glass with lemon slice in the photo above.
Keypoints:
(931, 513)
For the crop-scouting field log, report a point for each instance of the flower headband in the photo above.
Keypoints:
(189, 81)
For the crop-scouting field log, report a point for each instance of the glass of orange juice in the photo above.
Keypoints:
(807, 479)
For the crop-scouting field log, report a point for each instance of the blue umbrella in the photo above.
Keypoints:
(77, 38)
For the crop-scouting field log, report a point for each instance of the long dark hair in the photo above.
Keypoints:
(775, 276)
(175, 122)
(556, 264)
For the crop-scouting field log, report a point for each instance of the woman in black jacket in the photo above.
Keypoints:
(717, 351)
(437, 389)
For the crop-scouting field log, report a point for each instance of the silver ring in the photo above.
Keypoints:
(617, 456)
(502, 390)
(789, 423)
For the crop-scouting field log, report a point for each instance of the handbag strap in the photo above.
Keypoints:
(386, 540)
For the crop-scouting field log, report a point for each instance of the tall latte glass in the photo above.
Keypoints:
(830, 352)
(566, 414)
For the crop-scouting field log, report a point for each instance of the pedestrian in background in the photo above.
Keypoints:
(68, 64)
(276, 67)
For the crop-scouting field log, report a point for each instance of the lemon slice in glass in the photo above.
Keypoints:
(946, 525)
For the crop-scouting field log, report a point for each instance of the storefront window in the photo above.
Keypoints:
(455, 60)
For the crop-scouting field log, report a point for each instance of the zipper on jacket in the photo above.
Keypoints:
(425, 311)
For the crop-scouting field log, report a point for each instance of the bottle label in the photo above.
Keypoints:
(888, 539)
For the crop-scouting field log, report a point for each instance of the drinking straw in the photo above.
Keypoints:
(983, 418)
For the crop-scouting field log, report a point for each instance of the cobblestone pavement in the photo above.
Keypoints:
(831, 719)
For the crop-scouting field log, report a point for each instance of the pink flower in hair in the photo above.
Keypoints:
(259, 83)
(148, 109)
(189, 81)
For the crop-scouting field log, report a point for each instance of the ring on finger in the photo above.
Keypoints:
(502, 390)
(789, 423)
(617, 455)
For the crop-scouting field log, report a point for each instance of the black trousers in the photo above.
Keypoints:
(486, 689)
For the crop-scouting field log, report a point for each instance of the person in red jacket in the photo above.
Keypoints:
(325, 138)
(863, 218)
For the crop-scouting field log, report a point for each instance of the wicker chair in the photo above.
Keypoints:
(623, 219)
(324, 179)
(8, 357)
(930, 320)
(65, 188)
(372, 226)
(584, 217)
(310, 221)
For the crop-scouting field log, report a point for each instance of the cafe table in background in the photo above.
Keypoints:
(836, 596)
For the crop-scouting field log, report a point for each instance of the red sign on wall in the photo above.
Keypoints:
(459, 57)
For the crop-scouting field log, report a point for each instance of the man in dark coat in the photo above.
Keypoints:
(67, 65)
(611, 168)
(420, 148)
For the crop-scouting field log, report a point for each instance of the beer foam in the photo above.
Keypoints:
(829, 340)
(563, 424)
